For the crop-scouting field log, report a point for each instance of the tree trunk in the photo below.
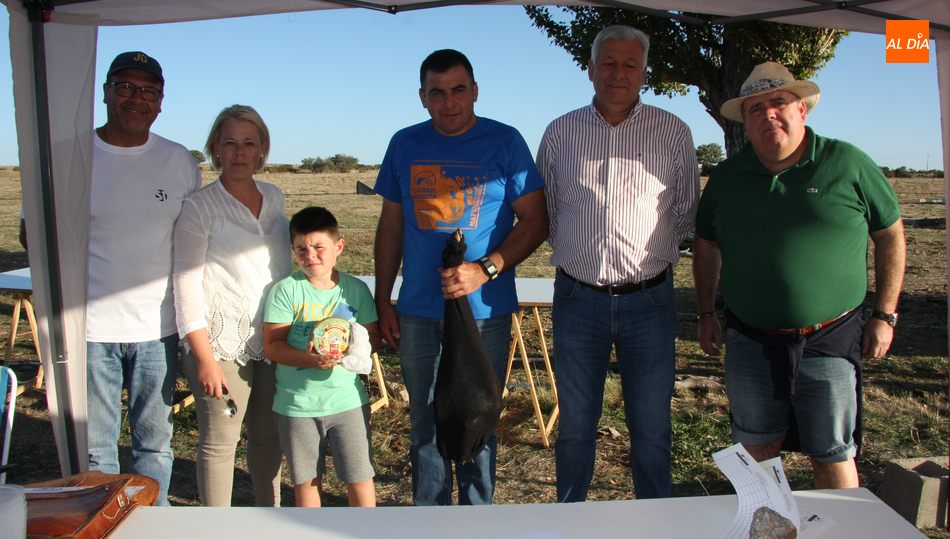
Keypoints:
(734, 133)
(720, 84)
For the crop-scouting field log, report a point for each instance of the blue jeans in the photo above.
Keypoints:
(147, 370)
(420, 347)
(641, 325)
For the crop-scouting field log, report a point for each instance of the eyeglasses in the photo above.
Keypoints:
(126, 89)
(230, 407)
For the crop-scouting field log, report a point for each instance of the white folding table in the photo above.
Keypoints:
(19, 284)
(857, 514)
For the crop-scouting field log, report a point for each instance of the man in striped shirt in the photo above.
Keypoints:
(621, 187)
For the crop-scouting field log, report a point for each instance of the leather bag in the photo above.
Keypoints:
(89, 512)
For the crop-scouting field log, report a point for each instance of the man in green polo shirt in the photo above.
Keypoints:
(783, 230)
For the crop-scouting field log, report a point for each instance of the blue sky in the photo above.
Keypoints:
(343, 81)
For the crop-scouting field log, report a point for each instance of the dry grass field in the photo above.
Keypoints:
(906, 402)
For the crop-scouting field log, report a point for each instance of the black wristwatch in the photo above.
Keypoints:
(890, 318)
(489, 268)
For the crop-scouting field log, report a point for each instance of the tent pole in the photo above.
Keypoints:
(38, 11)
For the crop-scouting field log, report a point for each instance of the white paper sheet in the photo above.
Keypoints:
(774, 468)
(756, 486)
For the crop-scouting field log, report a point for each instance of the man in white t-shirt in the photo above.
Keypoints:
(139, 181)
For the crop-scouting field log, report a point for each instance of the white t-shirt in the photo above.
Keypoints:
(225, 261)
(135, 199)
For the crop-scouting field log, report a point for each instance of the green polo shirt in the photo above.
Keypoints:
(794, 244)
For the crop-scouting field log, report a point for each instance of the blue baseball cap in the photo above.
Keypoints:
(136, 60)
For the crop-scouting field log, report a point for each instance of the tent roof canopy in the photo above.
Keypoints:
(857, 15)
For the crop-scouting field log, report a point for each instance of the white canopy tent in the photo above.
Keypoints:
(57, 59)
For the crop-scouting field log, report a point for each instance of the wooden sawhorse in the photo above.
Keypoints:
(24, 301)
(517, 344)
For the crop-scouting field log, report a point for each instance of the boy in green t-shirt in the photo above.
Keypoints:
(321, 399)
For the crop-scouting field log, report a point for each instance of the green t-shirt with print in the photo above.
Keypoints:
(310, 392)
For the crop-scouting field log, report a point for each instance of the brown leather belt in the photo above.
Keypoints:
(625, 288)
(807, 330)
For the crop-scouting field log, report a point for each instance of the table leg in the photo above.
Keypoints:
(516, 319)
(517, 345)
(550, 372)
(526, 364)
(183, 403)
(14, 324)
(24, 302)
(383, 399)
(31, 318)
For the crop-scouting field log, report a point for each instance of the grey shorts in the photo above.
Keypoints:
(305, 439)
(825, 403)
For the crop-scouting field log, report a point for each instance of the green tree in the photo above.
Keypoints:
(688, 50)
(199, 155)
(708, 156)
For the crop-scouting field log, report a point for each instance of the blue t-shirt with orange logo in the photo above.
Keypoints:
(467, 182)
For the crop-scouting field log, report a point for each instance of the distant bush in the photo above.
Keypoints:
(280, 168)
(338, 163)
(199, 155)
(901, 172)
(904, 172)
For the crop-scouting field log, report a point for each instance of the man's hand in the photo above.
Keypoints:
(388, 324)
(710, 335)
(707, 261)
(387, 254)
(877, 338)
(890, 257)
(462, 280)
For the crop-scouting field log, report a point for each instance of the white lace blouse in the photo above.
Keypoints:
(224, 262)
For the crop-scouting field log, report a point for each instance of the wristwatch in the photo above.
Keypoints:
(489, 268)
(890, 318)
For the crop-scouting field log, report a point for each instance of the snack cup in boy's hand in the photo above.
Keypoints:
(331, 337)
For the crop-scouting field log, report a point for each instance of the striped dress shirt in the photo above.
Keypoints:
(620, 198)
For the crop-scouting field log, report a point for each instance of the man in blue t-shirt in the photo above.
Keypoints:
(457, 171)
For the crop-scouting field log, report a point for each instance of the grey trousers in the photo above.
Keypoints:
(252, 388)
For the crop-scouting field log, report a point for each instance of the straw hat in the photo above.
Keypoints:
(769, 77)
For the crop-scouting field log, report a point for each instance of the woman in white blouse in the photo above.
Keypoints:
(231, 242)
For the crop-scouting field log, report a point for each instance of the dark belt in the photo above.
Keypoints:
(625, 288)
(807, 330)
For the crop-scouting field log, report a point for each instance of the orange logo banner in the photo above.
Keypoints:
(908, 42)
